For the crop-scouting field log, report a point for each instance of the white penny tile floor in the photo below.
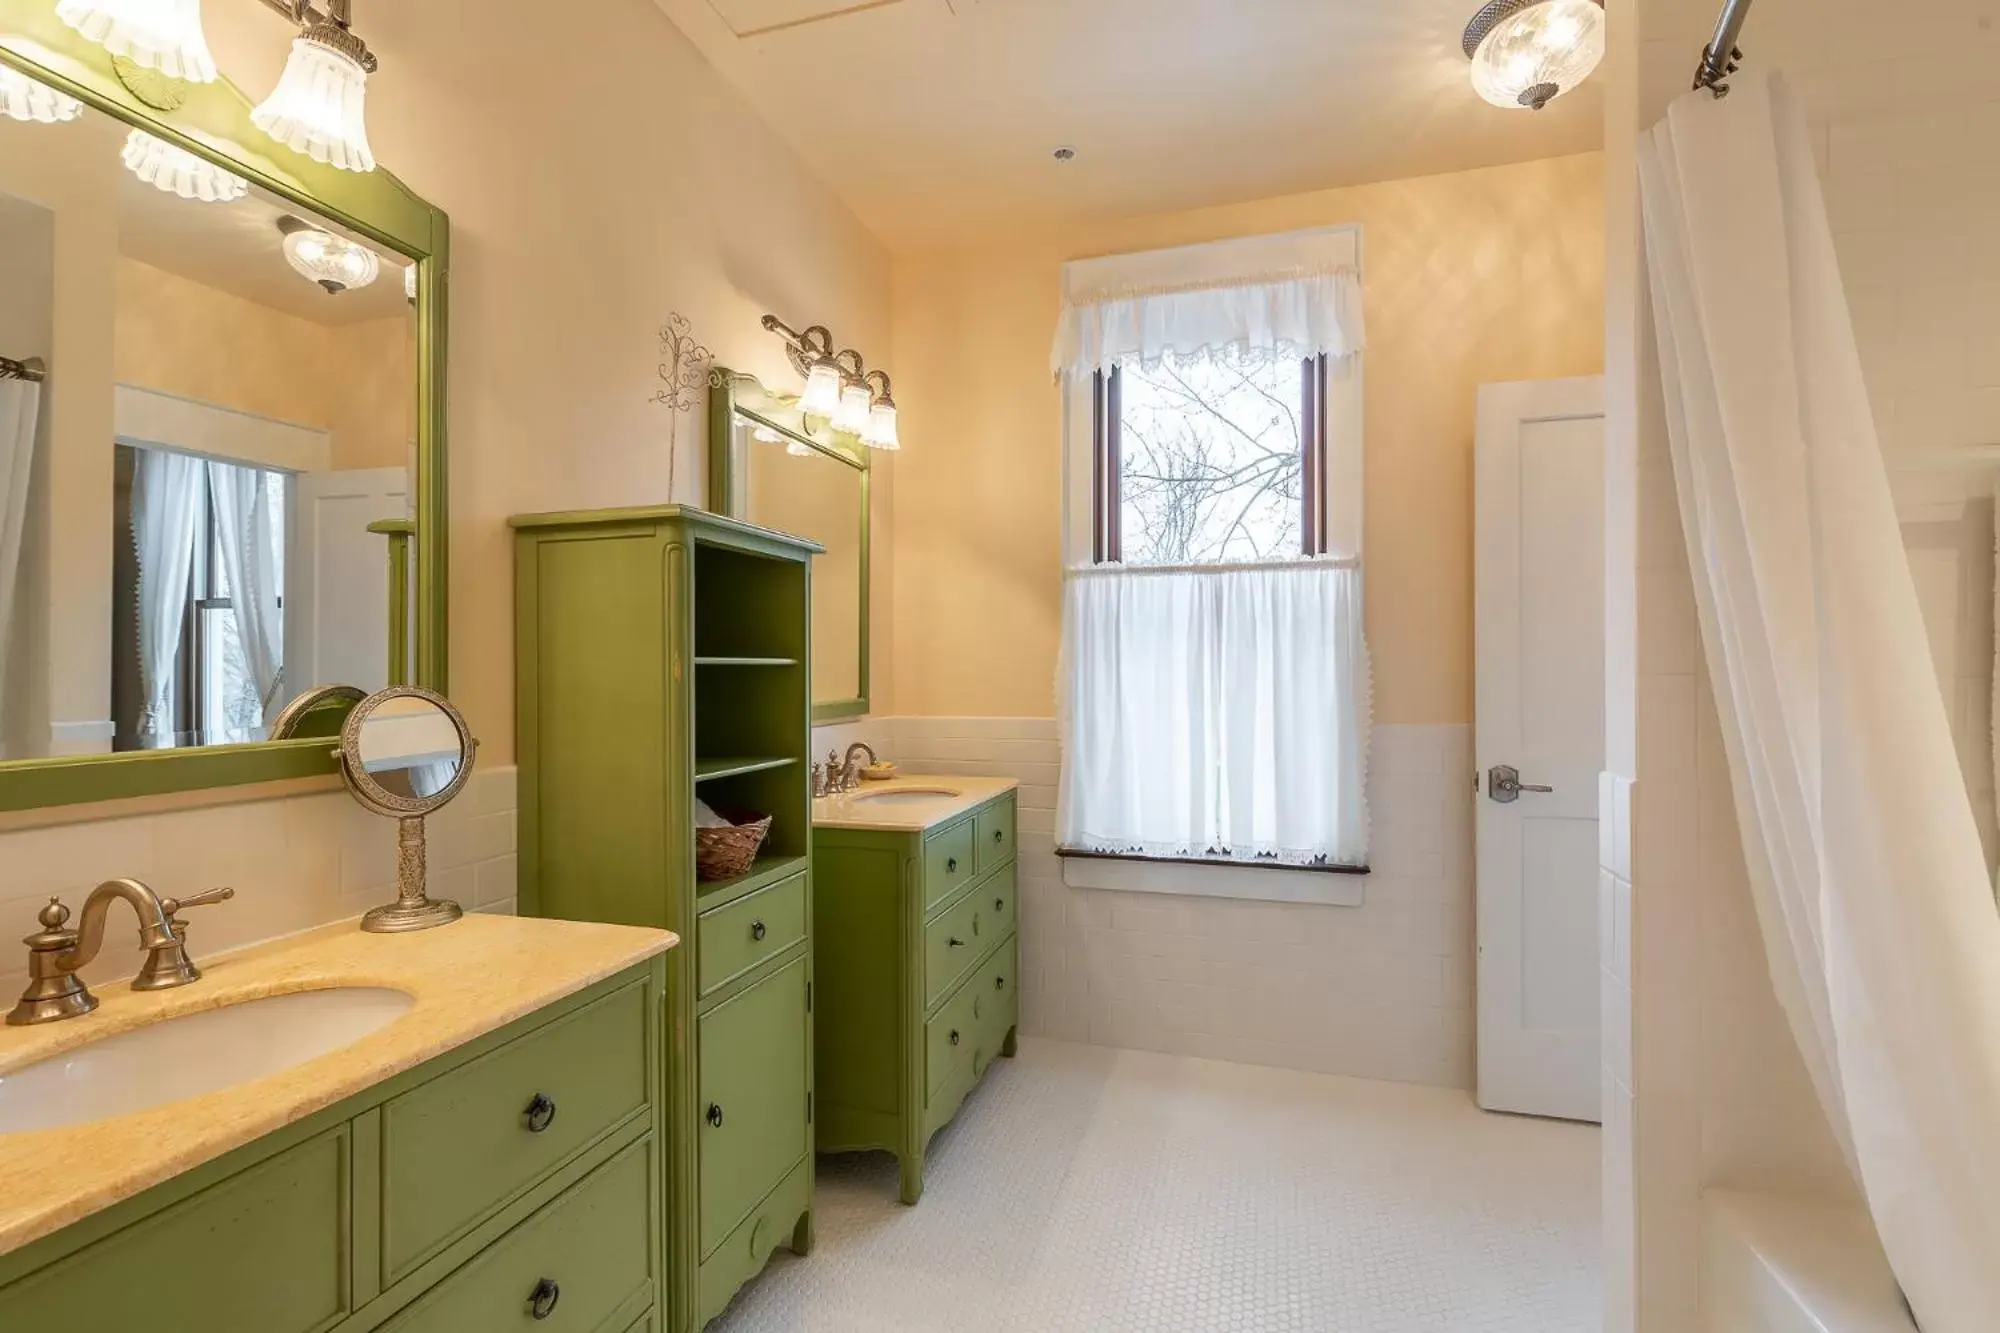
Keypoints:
(1090, 1190)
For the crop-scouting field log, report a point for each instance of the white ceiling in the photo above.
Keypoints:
(937, 118)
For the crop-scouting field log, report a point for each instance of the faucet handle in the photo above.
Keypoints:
(53, 917)
(202, 899)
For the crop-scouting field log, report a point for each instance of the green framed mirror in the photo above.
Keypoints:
(222, 430)
(768, 465)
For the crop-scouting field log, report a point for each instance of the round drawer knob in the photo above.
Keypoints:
(715, 1115)
(757, 931)
(999, 983)
(951, 865)
(1000, 904)
(541, 1113)
(999, 836)
(954, 1036)
(543, 1299)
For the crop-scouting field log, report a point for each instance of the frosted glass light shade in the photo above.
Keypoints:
(410, 283)
(164, 35)
(334, 262)
(318, 107)
(822, 395)
(177, 171)
(1534, 53)
(797, 450)
(22, 98)
(881, 431)
(851, 415)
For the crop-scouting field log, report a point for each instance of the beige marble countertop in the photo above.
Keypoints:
(852, 810)
(467, 979)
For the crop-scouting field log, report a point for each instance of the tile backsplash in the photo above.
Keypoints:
(295, 862)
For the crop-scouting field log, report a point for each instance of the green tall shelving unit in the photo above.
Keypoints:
(663, 654)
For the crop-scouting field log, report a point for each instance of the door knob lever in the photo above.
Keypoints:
(1503, 784)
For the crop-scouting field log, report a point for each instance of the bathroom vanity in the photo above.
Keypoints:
(483, 1155)
(914, 904)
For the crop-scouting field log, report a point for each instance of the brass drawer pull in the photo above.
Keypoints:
(542, 1300)
(541, 1113)
(757, 930)
(953, 942)
(715, 1114)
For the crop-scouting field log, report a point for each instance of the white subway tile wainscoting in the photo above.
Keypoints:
(1379, 990)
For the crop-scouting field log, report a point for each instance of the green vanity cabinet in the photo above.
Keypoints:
(917, 977)
(662, 655)
(430, 1203)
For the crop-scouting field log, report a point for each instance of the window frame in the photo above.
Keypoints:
(1107, 536)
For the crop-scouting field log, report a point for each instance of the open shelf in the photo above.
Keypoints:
(747, 661)
(766, 869)
(707, 769)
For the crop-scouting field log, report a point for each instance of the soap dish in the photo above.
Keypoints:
(881, 772)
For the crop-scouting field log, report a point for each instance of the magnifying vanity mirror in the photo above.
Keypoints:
(229, 421)
(768, 465)
(405, 753)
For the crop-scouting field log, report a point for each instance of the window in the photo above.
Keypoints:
(1209, 460)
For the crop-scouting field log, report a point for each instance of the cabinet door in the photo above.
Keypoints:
(265, 1249)
(754, 1051)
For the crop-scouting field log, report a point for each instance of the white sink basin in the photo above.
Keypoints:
(187, 1056)
(905, 796)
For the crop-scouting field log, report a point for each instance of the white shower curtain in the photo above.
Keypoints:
(20, 406)
(1864, 860)
(166, 496)
(247, 531)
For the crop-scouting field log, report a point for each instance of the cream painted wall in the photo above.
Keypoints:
(1495, 274)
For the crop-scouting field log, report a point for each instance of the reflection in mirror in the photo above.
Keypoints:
(410, 746)
(819, 493)
(185, 498)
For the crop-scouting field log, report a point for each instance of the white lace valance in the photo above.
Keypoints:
(1296, 294)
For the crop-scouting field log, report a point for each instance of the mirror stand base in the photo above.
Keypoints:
(399, 917)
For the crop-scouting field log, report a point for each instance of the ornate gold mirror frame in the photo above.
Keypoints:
(213, 121)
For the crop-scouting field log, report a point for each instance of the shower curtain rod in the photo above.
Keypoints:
(34, 369)
(1722, 57)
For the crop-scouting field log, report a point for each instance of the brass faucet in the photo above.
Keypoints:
(850, 776)
(56, 954)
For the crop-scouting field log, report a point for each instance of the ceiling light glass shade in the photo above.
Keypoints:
(822, 396)
(410, 282)
(334, 262)
(765, 435)
(881, 430)
(22, 98)
(851, 415)
(1527, 53)
(164, 35)
(177, 171)
(797, 450)
(318, 107)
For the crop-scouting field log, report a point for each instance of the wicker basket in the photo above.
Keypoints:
(724, 853)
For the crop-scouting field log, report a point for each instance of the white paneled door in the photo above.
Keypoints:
(1539, 742)
(337, 577)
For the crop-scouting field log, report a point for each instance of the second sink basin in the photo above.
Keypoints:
(183, 1057)
(904, 795)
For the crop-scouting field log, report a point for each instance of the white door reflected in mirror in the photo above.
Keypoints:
(411, 747)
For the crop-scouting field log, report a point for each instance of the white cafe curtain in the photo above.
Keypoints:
(20, 405)
(1864, 860)
(247, 531)
(1216, 712)
(166, 503)
(1297, 294)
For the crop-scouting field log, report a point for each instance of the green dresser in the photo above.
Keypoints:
(662, 654)
(517, 1173)
(918, 966)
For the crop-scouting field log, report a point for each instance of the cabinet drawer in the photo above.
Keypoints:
(962, 933)
(461, 1145)
(999, 1004)
(993, 834)
(947, 861)
(592, 1245)
(755, 1054)
(265, 1250)
(736, 938)
(968, 1030)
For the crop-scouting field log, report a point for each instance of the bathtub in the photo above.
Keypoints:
(1781, 1264)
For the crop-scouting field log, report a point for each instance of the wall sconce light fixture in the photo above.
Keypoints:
(839, 385)
(163, 35)
(318, 107)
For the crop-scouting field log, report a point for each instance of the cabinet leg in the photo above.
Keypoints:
(913, 1177)
(802, 1234)
(1010, 1046)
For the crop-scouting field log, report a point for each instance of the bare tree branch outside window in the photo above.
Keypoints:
(1211, 464)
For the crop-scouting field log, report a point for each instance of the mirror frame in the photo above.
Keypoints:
(375, 205)
(726, 391)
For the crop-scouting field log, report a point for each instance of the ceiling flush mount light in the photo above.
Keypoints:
(164, 35)
(22, 98)
(319, 104)
(1527, 53)
(334, 262)
(177, 171)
